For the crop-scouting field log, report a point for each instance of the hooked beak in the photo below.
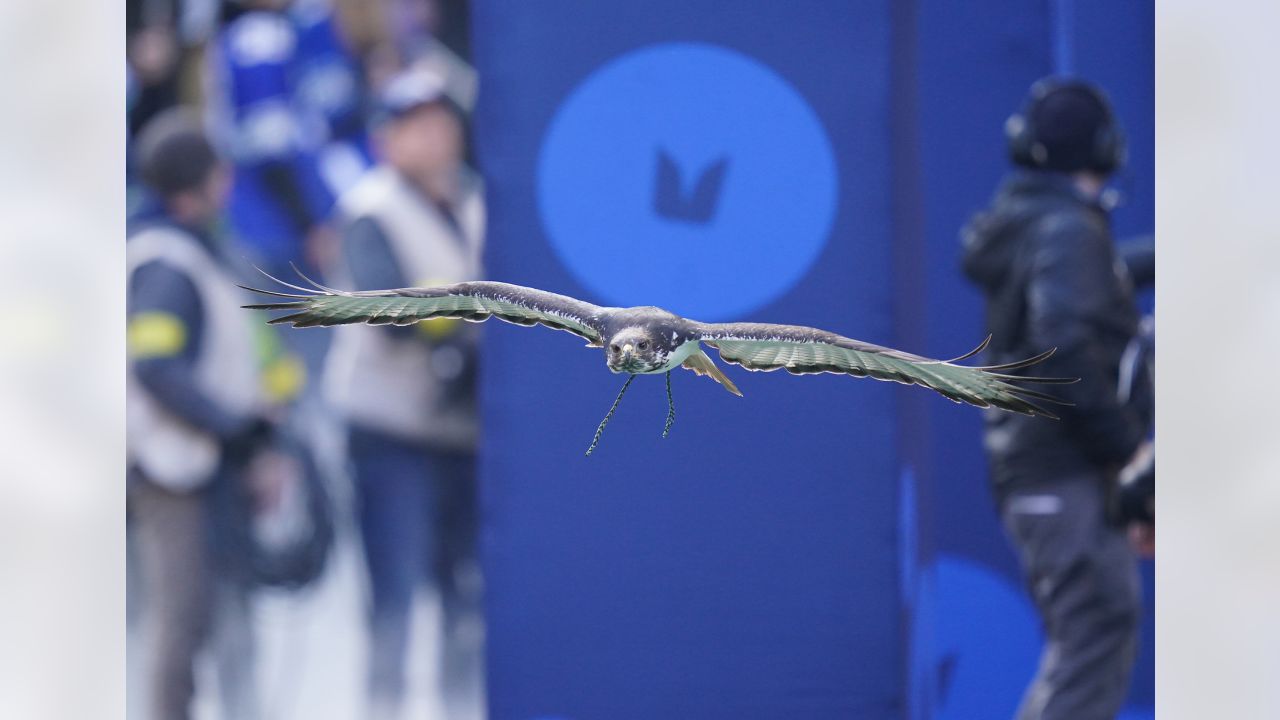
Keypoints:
(622, 361)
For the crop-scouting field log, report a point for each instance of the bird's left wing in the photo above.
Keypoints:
(801, 350)
(472, 301)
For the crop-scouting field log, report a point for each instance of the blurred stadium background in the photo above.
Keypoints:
(819, 548)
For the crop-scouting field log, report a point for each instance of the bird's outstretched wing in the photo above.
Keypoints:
(320, 306)
(802, 350)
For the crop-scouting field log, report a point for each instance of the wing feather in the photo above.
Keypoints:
(471, 301)
(804, 350)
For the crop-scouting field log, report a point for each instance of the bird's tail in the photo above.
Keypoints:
(700, 364)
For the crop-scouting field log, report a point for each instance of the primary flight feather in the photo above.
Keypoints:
(647, 340)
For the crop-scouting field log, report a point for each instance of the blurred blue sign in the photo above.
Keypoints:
(726, 161)
(707, 169)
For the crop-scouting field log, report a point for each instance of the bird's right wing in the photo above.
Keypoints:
(472, 301)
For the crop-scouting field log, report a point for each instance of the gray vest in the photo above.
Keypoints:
(397, 385)
(166, 449)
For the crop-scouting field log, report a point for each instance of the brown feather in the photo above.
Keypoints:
(700, 364)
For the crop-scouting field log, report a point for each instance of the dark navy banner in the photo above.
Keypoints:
(726, 163)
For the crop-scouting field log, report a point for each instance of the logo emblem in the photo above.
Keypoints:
(699, 204)
(688, 176)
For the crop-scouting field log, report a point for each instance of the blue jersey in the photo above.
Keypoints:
(330, 86)
(271, 134)
(328, 76)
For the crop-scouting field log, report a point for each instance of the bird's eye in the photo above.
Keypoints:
(644, 344)
(614, 347)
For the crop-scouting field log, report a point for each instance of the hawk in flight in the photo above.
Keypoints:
(648, 340)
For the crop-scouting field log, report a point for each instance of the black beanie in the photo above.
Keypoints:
(1067, 122)
(173, 154)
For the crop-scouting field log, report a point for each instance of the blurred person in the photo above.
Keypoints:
(162, 44)
(278, 84)
(427, 36)
(1044, 258)
(153, 54)
(279, 201)
(407, 394)
(330, 86)
(195, 412)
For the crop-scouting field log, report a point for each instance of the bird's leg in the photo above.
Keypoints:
(671, 408)
(609, 414)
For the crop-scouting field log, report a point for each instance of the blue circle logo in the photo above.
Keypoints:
(687, 176)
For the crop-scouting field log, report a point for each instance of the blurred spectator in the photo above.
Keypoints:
(151, 46)
(1044, 258)
(279, 200)
(330, 88)
(196, 410)
(408, 394)
(284, 102)
(429, 36)
(164, 43)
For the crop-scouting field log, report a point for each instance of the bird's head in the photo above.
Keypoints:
(634, 350)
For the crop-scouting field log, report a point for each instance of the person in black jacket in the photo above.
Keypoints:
(1044, 258)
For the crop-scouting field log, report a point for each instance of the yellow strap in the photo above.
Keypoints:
(156, 334)
(282, 374)
(283, 378)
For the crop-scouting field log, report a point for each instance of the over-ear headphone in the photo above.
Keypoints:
(1108, 151)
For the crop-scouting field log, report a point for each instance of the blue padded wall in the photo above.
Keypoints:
(746, 566)
(823, 547)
